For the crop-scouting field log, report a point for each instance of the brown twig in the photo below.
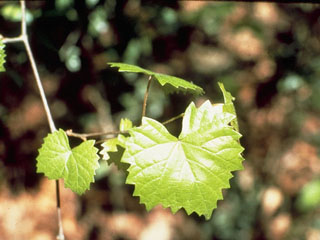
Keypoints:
(24, 39)
(84, 136)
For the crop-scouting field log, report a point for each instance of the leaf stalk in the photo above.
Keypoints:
(84, 136)
(145, 99)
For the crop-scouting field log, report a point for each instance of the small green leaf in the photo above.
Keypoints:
(113, 151)
(76, 166)
(109, 146)
(125, 124)
(170, 83)
(2, 56)
(228, 105)
(189, 171)
(124, 67)
(113, 148)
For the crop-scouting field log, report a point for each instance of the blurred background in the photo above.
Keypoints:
(267, 55)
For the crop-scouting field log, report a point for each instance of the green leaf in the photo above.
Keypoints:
(76, 166)
(125, 124)
(228, 105)
(170, 83)
(2, 56)
(189, 171)
(113, 150)
(109, 146)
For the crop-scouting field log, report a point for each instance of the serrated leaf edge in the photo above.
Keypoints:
(219, 190)
(70, 151)
(191, 87)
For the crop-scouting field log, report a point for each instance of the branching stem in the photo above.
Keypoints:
(40, 87)
(84, 136)
(146, 97)
(24, 38)
(12, 40)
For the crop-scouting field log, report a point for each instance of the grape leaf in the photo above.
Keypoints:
(109, 145)
(76, 166)
(189, 171)
(125, 124)
(170, 83)
(228, 106)
(112, 149)
(2, 56)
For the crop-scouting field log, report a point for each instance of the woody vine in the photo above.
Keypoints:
(187, 171)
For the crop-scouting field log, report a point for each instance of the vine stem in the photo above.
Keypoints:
(12, 40)
(84, 136)
(145, 99)
(40, 87)
(24, 38)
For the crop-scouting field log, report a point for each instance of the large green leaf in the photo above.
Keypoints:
(189, 171)
(2, 56)
(170, 83)
(76, 166)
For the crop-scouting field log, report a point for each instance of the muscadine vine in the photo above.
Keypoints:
(188, 171)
